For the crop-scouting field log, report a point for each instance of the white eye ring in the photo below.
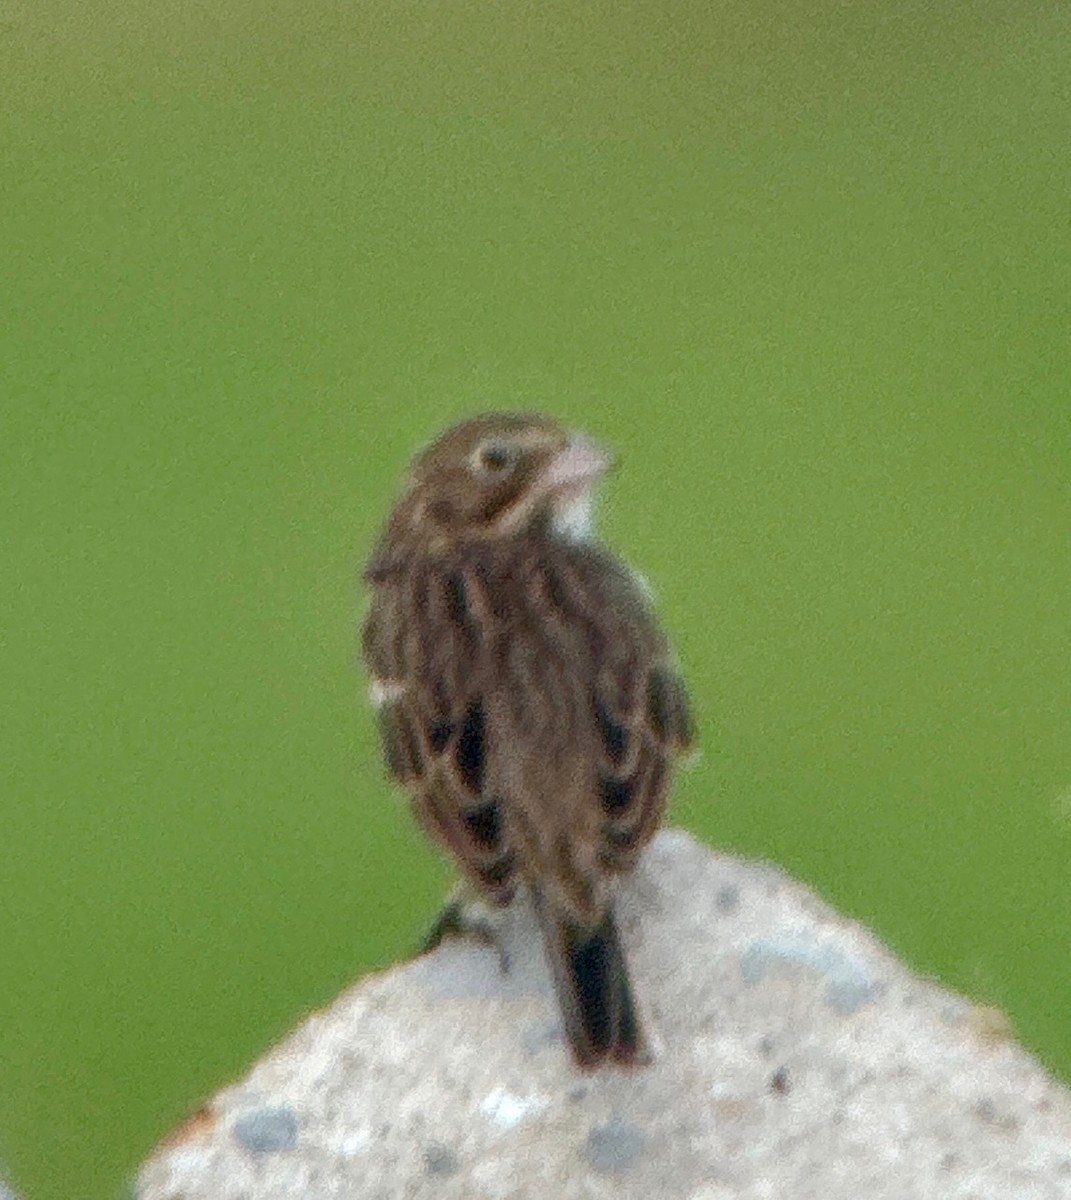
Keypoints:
(494, 456)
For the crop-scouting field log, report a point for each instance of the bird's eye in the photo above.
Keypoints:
(494, 457)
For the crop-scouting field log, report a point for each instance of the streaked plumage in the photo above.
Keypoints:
(526, 695)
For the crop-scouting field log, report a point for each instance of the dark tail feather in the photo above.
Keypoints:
(591, 979)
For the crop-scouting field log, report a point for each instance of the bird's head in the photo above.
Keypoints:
(499, 475)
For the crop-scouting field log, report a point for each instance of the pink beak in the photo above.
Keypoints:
(578, 466)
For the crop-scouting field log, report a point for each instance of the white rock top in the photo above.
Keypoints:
(796, 1058)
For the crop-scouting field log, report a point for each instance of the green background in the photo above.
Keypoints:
(804, 266)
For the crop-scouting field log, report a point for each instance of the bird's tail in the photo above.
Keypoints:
(587, 964)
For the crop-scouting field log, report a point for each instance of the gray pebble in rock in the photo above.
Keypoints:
(440, 1160)
(267, 1130)
(849, 983)
(613, 1146)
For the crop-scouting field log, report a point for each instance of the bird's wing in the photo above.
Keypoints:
(643, 720)
(420, 647)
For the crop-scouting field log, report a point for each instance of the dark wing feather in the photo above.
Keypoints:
(643, 721)
(634, 793)
(419, 643)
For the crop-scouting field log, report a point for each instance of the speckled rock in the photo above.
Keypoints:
(796, 1058)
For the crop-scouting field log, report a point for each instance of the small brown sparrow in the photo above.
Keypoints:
(526, 695)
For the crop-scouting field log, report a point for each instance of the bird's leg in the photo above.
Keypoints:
(448, 923)
(465, 915)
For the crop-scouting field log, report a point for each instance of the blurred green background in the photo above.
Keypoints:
(804, 266)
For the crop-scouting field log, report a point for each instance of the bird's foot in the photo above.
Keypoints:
(462, 918)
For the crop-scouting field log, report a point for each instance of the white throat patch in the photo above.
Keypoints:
(574, 518)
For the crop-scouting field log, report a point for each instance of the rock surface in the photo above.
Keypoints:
(796, 1058)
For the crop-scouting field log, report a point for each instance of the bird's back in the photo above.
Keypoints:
(528, 680)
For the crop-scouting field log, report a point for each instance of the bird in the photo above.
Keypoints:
(527, 697)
